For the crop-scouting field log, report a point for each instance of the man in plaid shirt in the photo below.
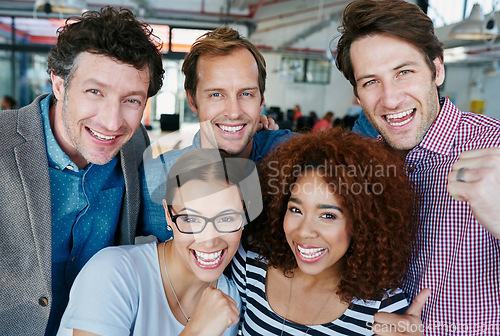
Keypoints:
(391, 56)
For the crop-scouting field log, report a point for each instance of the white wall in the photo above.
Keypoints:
(458, 85)
(337, 96)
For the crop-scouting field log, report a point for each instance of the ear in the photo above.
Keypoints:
(262, 103)
(167, 214)
(191, 102)
(438, 64)
(57, 86)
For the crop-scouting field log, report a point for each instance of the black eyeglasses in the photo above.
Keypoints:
(224, 223)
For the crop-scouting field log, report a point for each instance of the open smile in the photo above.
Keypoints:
(231, 128)
(209, 259)
(310, 254)
(101, 136)
(401, 118)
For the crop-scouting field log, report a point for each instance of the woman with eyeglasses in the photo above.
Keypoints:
(176, 287)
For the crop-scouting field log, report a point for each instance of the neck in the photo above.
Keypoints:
(182, 278)
(246, 153)
(326, 279)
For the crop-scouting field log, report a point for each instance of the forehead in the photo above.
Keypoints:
(383, 52)
(207, 197)
(311, 186)
(239, 65)
(88, 66)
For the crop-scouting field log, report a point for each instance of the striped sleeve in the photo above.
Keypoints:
(395, 302)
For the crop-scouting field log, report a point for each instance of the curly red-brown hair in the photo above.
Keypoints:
(376, 196)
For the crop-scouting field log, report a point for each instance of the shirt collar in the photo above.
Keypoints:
(441, 135)
(56, 156)
(197, 140)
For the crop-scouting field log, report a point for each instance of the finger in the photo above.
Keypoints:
(264, 120)
(418, 303)
(275, 125)
(386, 318)
(471, 175)
(457, 190)
(383, 329)
(475, 153)
(475, 161)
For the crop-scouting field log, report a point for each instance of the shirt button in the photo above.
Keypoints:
(56, 167)
(43, 301)
(73, 259)
(411, 169)
(69, 167)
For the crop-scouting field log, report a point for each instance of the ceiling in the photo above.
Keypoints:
(285, 26)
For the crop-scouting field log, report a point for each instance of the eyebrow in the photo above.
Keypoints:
(397, 67)
(93, 81)
(318, 206)
(254, 88)
(199, 213)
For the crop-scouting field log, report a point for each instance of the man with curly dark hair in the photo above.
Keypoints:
(333, 243)
(70, 164)
(390, 54)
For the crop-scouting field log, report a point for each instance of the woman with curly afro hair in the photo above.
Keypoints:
(332, 245)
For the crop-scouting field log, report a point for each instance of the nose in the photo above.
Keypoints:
(306, 228)
(209, 236)
(391, 95)
(233, 108)
(110, 116)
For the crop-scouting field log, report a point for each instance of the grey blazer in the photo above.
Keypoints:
(25, 217)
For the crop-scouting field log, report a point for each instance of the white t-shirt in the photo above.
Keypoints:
(120, 292)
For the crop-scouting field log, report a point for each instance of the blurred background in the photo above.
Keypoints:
(297, 38)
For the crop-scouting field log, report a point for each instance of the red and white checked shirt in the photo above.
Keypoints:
(456, 257)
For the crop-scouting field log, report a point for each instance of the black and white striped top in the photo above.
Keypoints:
(249, 274)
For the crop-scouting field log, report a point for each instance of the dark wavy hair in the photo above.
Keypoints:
(396, 18)
(379, 216)
(221, 41)
(111, 32)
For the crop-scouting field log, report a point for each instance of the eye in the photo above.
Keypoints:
(94, 91)
(133, 101)
(246, 94)
(404, 72)
(371, 82)
(216, 95)
(188, 219)
(328, 216)
(227, 218)
(293, 209)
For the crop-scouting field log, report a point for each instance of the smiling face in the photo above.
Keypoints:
(205, 254)
(100, 110)
(396, 88)
(315, 226)
(228, 101)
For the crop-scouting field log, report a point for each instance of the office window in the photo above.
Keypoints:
(306, 70)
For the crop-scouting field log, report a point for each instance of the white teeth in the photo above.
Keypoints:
(231, 129)
(389, 117)
(310, 253)
(101, 136)
(208, 259)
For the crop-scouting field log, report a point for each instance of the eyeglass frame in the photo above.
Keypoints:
(207, 220)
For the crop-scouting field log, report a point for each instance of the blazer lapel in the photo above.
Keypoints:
(31, 159)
